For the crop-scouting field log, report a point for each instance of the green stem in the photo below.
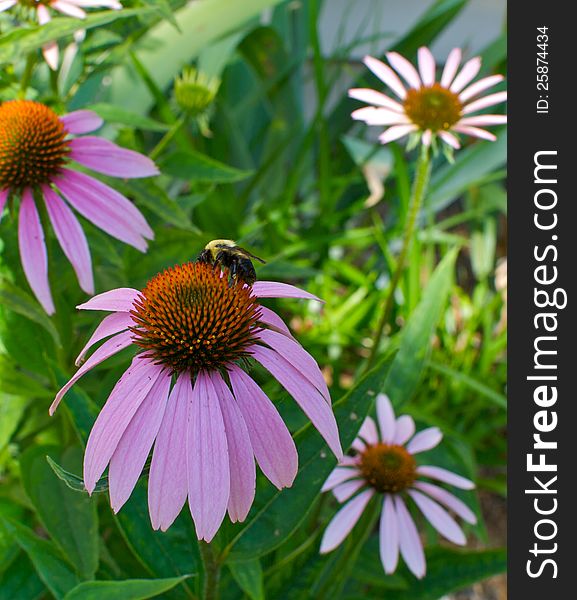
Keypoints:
(27, 75)
(156, 151)
(211, 571)
(415, 203)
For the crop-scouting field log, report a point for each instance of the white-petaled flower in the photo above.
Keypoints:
(426, 107)
(385, 464)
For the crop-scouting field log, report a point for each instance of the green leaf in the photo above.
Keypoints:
(116, 114)
(49, 563)
(198, 167)
(11, 411)
(271, 524)
(415, 341)
(20, 581)
(248, 575)
(68, 517)
(20, 302)
(129, 589)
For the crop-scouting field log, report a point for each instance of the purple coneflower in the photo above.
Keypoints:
(427, 107)
(187, 393)
(36, 145)
(70, 8)
(386, 465)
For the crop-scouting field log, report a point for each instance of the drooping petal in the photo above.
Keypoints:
(475, 132)
(343, 522)
(450, 139)
(485, 102)
(6, 4)
(51, 54)
(451, 66)
(386, 75)
(103, 156)
(405, 69)
(81, 121)
(168, 482)
(409, 541)
(368, 431)
(71, 238)
(379, 116)
(484, 120)
(468, 72)
(117, 300)
(480, 86)
(112, 421)
(404, 430)
(445, 476)
(111, 324)
(389, 536)
(68, 9)
(299, 358)
(108, 349)
(425, 440)
(426, 138)
(273, 446)
(395, 132)
(449, 500)
(274, 289)
(3, 197)
(240, 453)
(90, 3)
(272, 320)
(358, 445)
(338, 476)
(386, 418)
(426, 66)
(33, 251)
(439, 518)
(207, 460)
(43, 14)
(377, 98)
(134, 446)
(306, 395)
(346, 490)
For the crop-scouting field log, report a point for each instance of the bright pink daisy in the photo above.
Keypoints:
(386, 465)
(426, 107)
(187, 393)
(36, 147)
(70, 8)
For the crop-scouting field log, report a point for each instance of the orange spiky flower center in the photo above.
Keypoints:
(190, 318)
(388, 467)
(33, 147)
(434, 107)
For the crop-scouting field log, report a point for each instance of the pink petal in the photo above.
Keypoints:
(51, 55)
(117, 300)
(349, 461)
(207, 460)
(475, 132)
(134, 446)
(485, 102)
(108, 349)
(168, 483)
(386, 418)
(377, 98)
(483, 120)
(306, 395)
(272, 320)
(404, 429)
(33, 251)
(271, 441)
(468, 72)
(426, 138)
(3, 197)
(358, 445)
(71, 238)
(43, 14)
(273, 289)
(298, 357)
(425, 440)
(449, 500)
(426, 66)
(409, 541)
(94, 3)
(446, 477)
(338, 476)
(405, 69)
(450, 139)
(439, 518)
(344, 521)
(451, 66)
(346, 490)
(67, 9)
(112, 421)
(386, 75)
(379, 116)
(480, 86)
(111, 324)
(104, 156)
(368, 431)
(240, 453)
(389, 536)
(81, 121)
(6, 4)
(395, 132)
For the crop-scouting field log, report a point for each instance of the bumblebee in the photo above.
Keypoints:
(227, 254)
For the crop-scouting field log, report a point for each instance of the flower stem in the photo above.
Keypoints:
(415, 203)
(27, 75)
(165, 140)
(211, 571)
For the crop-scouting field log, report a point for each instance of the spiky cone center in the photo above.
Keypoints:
(189, 318)
(433, 108)
(388, 468)
(33, 145)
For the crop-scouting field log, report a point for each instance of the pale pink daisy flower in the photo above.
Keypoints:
(425, 107)
(36, 147)
(385, 464)
(187, 393)
(70, 8)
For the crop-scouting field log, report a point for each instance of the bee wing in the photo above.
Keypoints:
(248, 254)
